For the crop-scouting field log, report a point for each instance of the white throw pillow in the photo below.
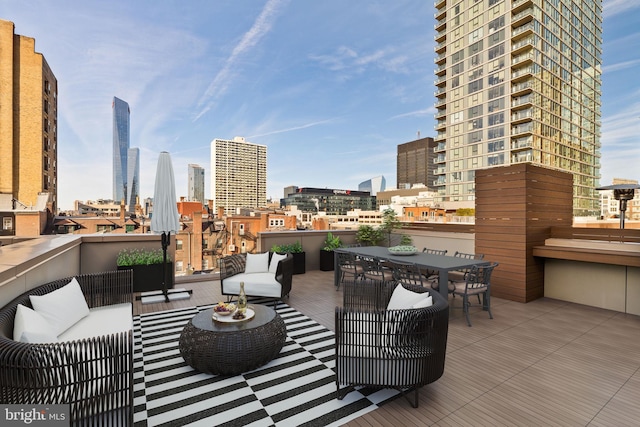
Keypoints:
(257, 263)
(426, 302)
(29, 326)
(275, 259)
(63, 307)
(403, 298)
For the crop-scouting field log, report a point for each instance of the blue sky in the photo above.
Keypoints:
(330, 87)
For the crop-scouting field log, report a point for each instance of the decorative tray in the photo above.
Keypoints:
(402, 250)
(229, 319)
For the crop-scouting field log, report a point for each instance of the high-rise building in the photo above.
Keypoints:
(121, 114)
(373, 185)
(28, 123)
(414, 163)
(133, 178)
(518, 81)
(196, 184)
(238, 174)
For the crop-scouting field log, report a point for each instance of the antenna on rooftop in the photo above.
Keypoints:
(418, 134)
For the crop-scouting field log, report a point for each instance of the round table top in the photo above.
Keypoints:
(204, 320)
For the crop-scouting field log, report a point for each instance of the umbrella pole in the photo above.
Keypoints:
(166, 237)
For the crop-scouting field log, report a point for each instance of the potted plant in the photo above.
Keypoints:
(326, 253)
(147, 268)
(294, 249)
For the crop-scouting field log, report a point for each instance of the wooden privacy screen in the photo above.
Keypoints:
(516, 206)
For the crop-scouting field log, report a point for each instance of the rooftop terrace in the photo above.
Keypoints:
(547, 362)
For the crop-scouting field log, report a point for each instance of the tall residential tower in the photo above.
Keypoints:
(518, 81)
(28, 125)
(238, 174)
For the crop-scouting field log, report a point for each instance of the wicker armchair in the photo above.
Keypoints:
(94, 376)
(235, 264)
(398, 349)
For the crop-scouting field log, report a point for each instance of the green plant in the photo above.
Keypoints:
(128, 257)
(406, 240)
(332, 242)
(288, 248)
(369, 235)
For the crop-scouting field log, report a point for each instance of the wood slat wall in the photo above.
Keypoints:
(516, 206)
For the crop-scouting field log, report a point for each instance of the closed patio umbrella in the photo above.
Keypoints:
(165, 218)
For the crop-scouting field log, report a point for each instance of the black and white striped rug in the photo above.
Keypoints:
(295, 389)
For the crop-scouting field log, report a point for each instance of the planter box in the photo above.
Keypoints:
(149, 277)
(326, 260)
(299, 260)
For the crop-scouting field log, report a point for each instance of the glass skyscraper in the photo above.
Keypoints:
(133, 177)
(120, 149)
(518, 81)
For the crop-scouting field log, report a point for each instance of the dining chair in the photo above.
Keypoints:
(406, 273)
(458, 275)
(477, 282)
(432, 276)
(349, 267)
(376, 270)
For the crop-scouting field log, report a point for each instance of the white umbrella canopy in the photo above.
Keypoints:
(165, 217)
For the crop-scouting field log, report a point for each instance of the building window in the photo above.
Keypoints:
(496, 119)
(476, 47)
(179, 266)
(178, 244)
(496, 159)
(496, 51)
(494, 146)
(474, 86)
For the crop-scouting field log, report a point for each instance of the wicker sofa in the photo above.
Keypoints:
(402, 349)
(93, 375)
(274, 284)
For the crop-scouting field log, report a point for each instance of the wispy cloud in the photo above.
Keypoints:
(418, 113)
(620, 66)
(294, 128)
(250, 39)
(615, 7)
(349, 62)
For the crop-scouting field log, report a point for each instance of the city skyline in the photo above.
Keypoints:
(330, 94)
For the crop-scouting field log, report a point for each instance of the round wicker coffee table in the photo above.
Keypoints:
(232, 348)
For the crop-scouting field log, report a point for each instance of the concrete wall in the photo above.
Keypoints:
(29, 263)
(33, 262)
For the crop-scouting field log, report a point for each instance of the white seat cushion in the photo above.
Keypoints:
(105, 320)
(255, 284)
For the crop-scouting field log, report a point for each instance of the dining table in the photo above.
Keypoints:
(443, 264)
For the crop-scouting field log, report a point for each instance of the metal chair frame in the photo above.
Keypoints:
(477, 282)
